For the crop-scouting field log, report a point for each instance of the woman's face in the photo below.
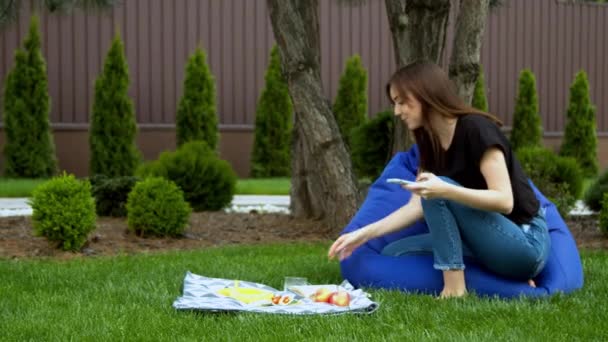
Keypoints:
(408, 109)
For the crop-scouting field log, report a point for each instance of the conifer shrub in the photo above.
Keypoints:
(156, 206)
(480, 100)
(208, 182)
(273, 125)
(111, 194)
(604, 215)
(350, 107)
(113, 125)
(594, 195)
(527, 130)
(64, 211)
(580, 135)
(560, 179)
(196, 113)
(371, 144)
(29, 151)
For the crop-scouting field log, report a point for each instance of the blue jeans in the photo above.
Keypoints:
(491, 239)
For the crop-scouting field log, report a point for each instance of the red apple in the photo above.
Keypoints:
(340, 298)
(322, 295)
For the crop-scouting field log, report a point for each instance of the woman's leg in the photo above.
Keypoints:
(416, 244)
(494, 240)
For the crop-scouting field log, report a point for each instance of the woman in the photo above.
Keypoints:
(470, 188)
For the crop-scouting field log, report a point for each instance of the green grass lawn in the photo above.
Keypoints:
(266, 186)
(130, 297)
(18, 187)
(248, 186)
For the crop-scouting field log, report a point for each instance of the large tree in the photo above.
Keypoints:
(9, 9)
(323, 184)
(418, 28)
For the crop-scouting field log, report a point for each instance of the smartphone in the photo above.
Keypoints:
(399, 181)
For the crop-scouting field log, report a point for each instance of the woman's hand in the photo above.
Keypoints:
(428, 186)
(344, 246)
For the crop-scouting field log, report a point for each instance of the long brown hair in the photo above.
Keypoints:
(430, 85)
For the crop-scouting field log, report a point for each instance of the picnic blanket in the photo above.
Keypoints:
(201, 293)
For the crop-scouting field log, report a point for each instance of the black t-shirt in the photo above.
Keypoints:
(473, 135)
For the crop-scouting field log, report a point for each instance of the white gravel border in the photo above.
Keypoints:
(240, 204)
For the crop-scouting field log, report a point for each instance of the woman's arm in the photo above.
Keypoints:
(400, 218)
(498, 197)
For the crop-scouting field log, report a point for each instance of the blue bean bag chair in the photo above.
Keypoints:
(366, 267)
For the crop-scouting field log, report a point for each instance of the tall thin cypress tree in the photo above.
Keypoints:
(350, 108)
(527, 130)
(29, 151)
(580, 136)
(113, 125)
(480, 100)
(273, 125)
(196, 115)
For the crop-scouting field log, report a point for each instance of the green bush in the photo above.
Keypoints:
(64, 211)
(527, 130)
(29, 151)
(371, 145)
(113, 127)
(480, 100)
(111, 194)
(208, 182)
(580, 135)
(604, 215)
(350, 107)
(196, 115)
(560, 179)
(273, 125)
(156, 206)
(593, 196)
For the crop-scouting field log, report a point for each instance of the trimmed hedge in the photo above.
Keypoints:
(111, 194)
(64, 211)
(559, 178)
(156, 206)
(208, 182)
(371, 144)
(593, 196)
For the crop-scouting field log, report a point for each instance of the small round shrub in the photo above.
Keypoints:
(558, 178)
(208, 182)
(111, 194)
(371, 144)
(156, 206)
(64, 211)
(593, 195)
(604, 215)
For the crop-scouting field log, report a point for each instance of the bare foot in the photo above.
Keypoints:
(450, 293)
(453, 284)
(531, 283)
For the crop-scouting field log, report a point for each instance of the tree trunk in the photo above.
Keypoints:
(464, 62)
(418, 28)
(323, 184)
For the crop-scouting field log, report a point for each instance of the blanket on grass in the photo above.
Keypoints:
(221, 295)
